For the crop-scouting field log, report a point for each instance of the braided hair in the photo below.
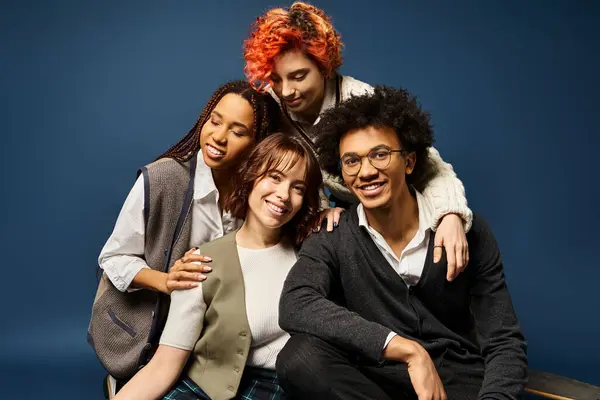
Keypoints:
(266, 118)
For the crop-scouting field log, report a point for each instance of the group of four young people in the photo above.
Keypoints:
(258, 195)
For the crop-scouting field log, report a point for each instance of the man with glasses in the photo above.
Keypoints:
(371, 315)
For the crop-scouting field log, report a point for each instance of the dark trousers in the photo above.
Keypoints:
(310, 368)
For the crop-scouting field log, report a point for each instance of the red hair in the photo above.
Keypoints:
(301, 27)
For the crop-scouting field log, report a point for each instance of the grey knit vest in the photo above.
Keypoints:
(167, 182)
(125, 326)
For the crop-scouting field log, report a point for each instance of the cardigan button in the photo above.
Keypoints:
(236, 368)
(243, 334)
(231, 388)
(240, 351)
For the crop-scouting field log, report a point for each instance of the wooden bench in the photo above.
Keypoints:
(549, 386)
(542, 384)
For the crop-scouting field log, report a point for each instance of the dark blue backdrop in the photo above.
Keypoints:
(90, 91)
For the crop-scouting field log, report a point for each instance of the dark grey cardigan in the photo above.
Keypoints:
(344, 291)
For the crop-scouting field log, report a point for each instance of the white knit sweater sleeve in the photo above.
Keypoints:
(323, 201)
(353, 87)
(446, 193)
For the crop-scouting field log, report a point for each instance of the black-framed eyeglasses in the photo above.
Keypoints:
(379, 157)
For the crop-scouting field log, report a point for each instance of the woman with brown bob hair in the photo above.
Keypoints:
(279, 154)
(224, 334)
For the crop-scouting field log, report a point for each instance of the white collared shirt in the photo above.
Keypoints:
(412, 259)
(123, 254)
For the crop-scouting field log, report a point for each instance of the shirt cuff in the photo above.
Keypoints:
(389, 338)
(129, 288)
(122, 274)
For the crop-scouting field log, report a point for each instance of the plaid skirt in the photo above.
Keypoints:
(256, 384)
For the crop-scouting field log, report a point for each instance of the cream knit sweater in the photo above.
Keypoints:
(445, 192)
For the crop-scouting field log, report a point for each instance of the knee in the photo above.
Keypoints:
(301, 366)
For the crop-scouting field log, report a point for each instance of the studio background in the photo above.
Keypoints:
(92, 90)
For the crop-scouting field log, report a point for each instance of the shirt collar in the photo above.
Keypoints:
(204, 184)
(328, 101)
(425, 212)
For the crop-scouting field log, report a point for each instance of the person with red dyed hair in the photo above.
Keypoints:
(294, 54)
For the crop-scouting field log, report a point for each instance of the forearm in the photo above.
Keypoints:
(150, 383)
(332, 323)
(122, 256)
(502, 344)
(503, 348)
(402, 349)
(305, 308)
(156, 378)
(505, 371)
(307, 303)
(151, 279)
(445, 192)
(122, 269)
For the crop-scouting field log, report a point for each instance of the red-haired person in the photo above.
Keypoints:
(225, 332)
(295, 54)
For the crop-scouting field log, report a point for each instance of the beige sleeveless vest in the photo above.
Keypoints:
(219, 357)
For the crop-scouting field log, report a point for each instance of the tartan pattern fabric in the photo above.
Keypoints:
(186, 389)
(256, 384)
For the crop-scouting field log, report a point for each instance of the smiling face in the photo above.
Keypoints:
(228, 132)
(298, 82)
(376, 188)
(277, 196)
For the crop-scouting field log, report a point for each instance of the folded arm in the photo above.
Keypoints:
(306, 306)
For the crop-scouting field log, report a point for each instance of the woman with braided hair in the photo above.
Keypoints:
(175, 206)
(235, 118)
(294, 54)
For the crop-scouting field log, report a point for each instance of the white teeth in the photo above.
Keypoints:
(214, 151)
(371, 187)
(275, 208)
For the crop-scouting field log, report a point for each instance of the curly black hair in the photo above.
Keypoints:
(385, 107)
